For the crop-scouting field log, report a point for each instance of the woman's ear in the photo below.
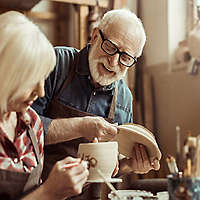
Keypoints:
(94, 35)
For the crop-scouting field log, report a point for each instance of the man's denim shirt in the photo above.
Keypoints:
(80, 93)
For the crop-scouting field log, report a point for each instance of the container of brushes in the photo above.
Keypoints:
(183, 188)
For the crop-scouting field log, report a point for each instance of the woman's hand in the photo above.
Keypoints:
(66, 178)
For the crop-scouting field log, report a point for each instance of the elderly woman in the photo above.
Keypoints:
(26, 59)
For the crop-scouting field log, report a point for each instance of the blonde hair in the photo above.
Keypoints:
(26, 56)
(112, 16)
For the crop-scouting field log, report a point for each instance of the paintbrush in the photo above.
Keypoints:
(171, 162)
(190, 148)
(178, 145)
(197, 160)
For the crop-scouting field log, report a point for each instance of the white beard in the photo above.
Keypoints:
(105, 79)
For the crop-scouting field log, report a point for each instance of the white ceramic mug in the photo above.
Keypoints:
(106, 155)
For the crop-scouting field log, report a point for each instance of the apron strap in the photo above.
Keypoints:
(111, 114)
(70, 76)
(35, 144)
(36, 173)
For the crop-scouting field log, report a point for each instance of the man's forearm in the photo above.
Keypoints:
(60, 130)
(65, 129)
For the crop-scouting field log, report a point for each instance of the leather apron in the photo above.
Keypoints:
(55, 152)
(13, 184)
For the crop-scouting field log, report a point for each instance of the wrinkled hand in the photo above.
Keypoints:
(140, 162)
(98, 127)
(65, 181)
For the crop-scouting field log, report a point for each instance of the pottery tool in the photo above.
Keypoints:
(178, 145)
(189, 167)
(190, 148)
(197, 163)
(108, 183)
(171, 162)
(72, 164)
(93, 163)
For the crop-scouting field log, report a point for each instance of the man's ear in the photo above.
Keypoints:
(94, 35)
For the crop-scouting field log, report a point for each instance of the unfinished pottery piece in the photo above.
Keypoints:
(129, 134)
(106, 155)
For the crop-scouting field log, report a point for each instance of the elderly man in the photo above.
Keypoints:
(88, 83)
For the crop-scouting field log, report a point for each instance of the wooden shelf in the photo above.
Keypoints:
(102, 3)
(18, 4)
(29, 4)
(42, 15)
(82, 5)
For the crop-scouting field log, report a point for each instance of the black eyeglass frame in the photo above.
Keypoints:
(117, 50)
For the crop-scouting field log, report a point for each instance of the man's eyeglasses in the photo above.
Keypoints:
(111, 49)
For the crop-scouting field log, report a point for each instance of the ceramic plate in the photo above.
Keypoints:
(112, 180)
(130, 134)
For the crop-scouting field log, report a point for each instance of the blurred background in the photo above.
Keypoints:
(165, 82)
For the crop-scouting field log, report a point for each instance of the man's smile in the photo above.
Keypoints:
(105, 70)
(108, 69)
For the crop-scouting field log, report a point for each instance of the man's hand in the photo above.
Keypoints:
(139, 162)
(116, 170)
(98, 127)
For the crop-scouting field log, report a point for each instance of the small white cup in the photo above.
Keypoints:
(106, 155)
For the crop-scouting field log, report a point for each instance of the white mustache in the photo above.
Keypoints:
(104, 61)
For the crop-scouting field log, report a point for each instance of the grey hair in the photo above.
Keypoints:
(113, 16)
(26, 56)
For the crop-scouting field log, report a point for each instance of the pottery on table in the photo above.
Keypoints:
(106, 155)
